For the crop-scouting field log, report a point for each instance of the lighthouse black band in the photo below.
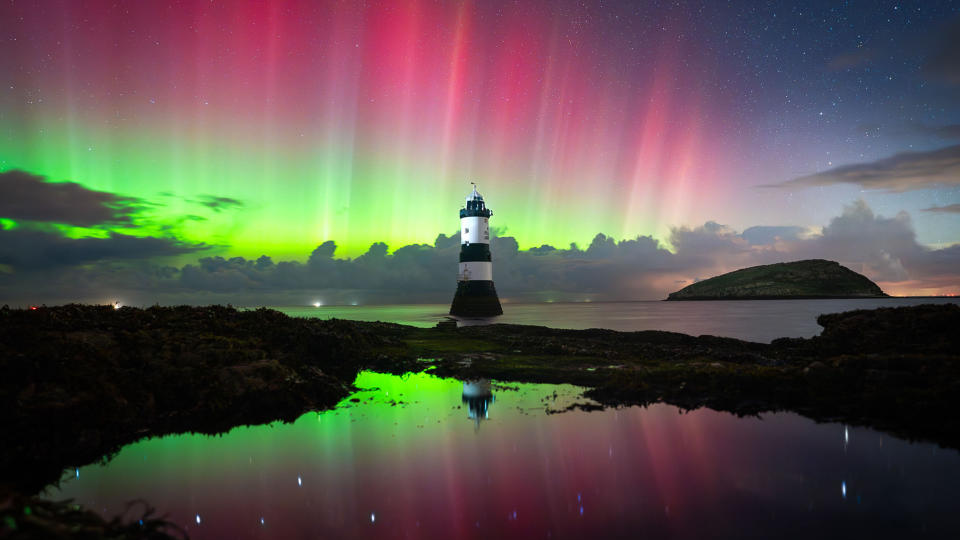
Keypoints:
(476, 299)
(475, 253)
(475, 212)
(477, 405)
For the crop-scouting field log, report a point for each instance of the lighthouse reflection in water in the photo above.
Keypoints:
(477, 396)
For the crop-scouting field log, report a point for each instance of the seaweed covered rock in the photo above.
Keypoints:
(928, 328)
(23, 517)
(81, 380)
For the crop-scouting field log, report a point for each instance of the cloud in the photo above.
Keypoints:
(26, 249)
(943, 63)
(871, 244)
(951, 131)
(902, 172)
(28, 197)
(948, 209)
(701, 246)
(218, 204)
(760, 235)
(883, 248)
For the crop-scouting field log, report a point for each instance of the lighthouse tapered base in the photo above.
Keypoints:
(476, 299)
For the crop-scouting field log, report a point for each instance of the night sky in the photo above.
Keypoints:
(139, 141)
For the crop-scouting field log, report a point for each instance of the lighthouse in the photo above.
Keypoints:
(476, 296)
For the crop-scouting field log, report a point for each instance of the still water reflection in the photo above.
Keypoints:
(424, 457)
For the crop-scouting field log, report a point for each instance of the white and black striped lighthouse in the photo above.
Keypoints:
(476, 296)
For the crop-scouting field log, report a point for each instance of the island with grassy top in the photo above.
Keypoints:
(813, 278)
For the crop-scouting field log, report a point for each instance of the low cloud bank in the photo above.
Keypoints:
(58, 269)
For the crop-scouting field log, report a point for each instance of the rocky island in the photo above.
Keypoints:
(814, 278)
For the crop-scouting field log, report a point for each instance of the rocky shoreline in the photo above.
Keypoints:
(892, 369)
(82, 381)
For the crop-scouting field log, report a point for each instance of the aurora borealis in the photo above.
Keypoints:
(250, 129)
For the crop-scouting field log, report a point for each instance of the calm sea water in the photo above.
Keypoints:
(752, 320)
(424, 457)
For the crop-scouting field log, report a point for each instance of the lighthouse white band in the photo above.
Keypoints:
(474, 230)
(476, 271)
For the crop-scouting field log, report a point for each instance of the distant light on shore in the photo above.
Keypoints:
(317, 304)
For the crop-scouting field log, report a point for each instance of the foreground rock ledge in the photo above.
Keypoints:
(79, 381)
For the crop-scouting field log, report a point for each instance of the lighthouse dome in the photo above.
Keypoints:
(475, 206)
(475, 195)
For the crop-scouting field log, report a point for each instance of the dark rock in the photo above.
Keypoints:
(23, 517)
(915, 329)
(80, 381)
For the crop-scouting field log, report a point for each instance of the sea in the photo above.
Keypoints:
(421, 457)
(751, 320)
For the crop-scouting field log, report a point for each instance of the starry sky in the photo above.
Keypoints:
(268, 128)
